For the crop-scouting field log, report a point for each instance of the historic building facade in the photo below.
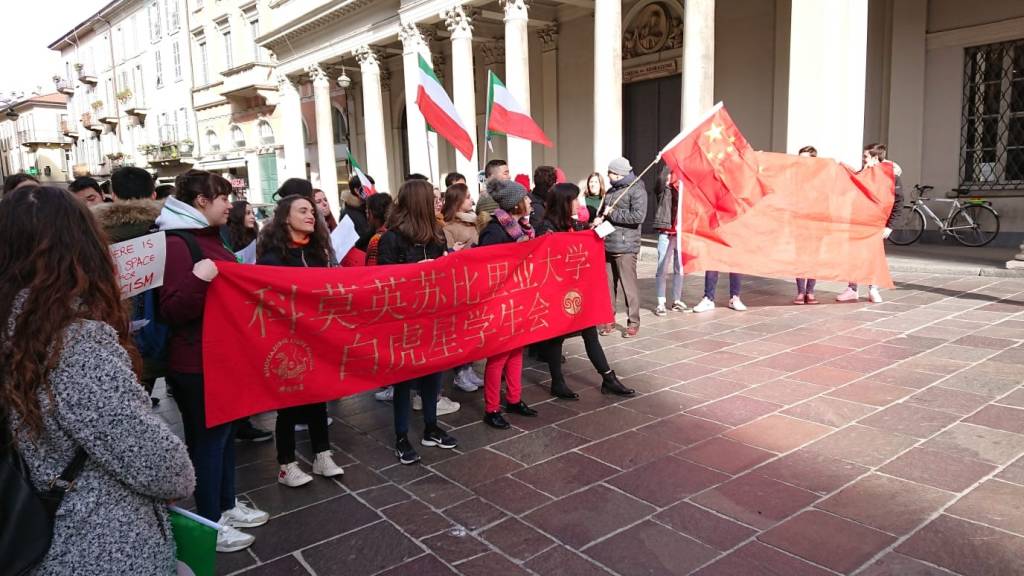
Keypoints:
(127, 75)
(34, 140)
(939, 81)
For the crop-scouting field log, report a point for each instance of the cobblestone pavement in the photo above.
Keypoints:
(791, 440)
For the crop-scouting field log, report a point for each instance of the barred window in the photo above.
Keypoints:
(992, 126)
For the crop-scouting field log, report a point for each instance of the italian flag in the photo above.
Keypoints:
(439, 111)
(368, 189)
(195, 539)
(506, 116)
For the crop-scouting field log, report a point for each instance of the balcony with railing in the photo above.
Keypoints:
(64, 86)
(33, 138)
(69, 129)
(168, 153)
(248, 80)
(85, 75)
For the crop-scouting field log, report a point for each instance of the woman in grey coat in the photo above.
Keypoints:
(68, 377)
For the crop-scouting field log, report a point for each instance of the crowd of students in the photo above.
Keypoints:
(70, 366)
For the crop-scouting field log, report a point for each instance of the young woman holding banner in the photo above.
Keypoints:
(414, 235)
(298, 237)
(198, 209)
(511, 223)
(561, 215)
(805, 286)
(460, 228)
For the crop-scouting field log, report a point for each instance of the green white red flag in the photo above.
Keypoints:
(367, 187)
(506, 116)
(439, 111)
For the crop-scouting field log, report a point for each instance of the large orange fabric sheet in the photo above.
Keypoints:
(777, 215)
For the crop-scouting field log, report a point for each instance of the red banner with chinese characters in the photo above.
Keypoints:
(277, 337)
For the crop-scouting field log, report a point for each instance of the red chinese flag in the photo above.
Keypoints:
(777, 215)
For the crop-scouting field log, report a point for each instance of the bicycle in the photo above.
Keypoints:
(973, 223)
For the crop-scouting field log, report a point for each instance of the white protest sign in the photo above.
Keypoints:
(344, 238)
(247, 255)
(140, 263)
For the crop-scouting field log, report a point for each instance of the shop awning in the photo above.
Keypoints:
(221, 164)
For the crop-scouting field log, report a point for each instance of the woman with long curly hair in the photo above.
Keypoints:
(69, 382)
(241, 229)
(297, 237)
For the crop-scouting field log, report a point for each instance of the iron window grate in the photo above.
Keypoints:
(992, 123)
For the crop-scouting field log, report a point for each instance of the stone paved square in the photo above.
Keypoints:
(829, 439)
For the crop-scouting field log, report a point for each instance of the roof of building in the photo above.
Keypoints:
(70, 34)
(56, 99)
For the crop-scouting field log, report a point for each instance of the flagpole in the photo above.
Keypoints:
(487, 121)
(649, 166)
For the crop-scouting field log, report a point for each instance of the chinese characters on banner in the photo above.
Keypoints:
(276, 337)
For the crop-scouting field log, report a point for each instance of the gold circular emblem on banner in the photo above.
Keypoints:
(572, 303)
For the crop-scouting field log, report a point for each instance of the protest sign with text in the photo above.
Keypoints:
(140, 263)
(274, 339)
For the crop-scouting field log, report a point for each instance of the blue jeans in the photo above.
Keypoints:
(429, 387)
(711, 282)
(212, 450)
(805, 286)
(667, 251)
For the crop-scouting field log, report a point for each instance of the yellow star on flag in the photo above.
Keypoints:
(714, 133)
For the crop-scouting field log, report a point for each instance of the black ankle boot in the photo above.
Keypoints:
(610, 384)
(560, 390)
(496, 420)
(522, 409)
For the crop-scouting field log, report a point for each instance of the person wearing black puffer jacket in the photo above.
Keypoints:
(297, 236)
(511, 223)
(561, 216)
(414, 235)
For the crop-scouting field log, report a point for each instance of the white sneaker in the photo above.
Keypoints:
(462, 381)
(848, 295)
(679, 306)
(704, 305)
(661, 310)
(243, 516)
(447, 406)
(385, 394)
(230, 539)
(874, 295)
(736, 304)
(324, 465)
(304, 427)
(473, 377)
(293, 476)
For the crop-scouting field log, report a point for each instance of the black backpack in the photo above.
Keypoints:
(151, 339)
(27, 515)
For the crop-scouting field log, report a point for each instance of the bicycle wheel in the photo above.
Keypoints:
(974, 225)
(908, 228)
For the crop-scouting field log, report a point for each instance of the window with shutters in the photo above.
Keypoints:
(176, 51)
(158, 67)
(992, 124)
(154, 20)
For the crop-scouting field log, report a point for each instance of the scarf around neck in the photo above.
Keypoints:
(466, 217)
(515, 228)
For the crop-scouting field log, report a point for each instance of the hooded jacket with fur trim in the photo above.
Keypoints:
(127, 219)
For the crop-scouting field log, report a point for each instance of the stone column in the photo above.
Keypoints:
(413, 45)
(607, 83)
(698, 60)
(325, 136)
(373, 117)
(549, 73)
(827, 71)
(517, 79)
(463, 86)
(291, 123)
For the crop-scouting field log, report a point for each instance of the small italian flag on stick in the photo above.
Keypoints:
(439, 111)
(367, 188)
(195, 539)
(506, 116)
